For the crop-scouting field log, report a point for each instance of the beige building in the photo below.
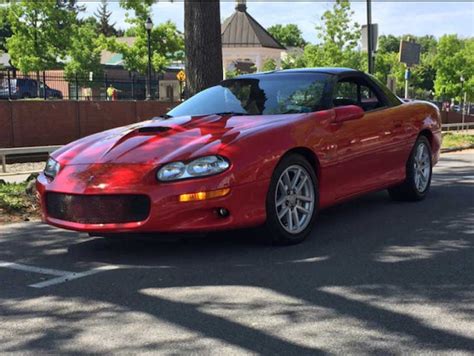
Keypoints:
(246, 45)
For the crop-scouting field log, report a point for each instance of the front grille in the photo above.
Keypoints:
(97, 209)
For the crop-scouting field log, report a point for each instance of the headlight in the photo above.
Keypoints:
(52, 168)
(201, 167)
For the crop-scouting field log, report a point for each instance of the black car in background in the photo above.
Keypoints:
(23, 88)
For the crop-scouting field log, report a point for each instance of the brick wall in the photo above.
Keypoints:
(39, 123)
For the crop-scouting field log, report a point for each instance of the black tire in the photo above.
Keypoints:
(408, 190)
(275, 232)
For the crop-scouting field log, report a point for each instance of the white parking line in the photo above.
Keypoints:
(61, 276)
(33, 269)
(71, 276)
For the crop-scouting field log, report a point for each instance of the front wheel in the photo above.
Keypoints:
(418, 174)
(291, 201)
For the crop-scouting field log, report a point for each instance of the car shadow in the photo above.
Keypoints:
(368, 261)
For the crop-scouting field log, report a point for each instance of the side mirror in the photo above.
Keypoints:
(348, 113)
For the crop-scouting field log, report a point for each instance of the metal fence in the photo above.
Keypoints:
(50, 85)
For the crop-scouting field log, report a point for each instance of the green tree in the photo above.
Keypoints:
(5, 28)
(339, 37)
(428, 43)
(203, 46)
(142, 8)
(388, 43)
(454, 58)
(167, 44)
(230, 74)
(41, 32)
(388, 65)
(84, 55)
(289, 35)
(71, 5)
(103, 16)
(423, 75)
(468, 55)
(269, 65)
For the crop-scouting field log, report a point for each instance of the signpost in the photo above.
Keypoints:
(181, 76)
(410, 55)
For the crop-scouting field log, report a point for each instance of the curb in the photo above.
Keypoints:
(455, 149)
(18, 173)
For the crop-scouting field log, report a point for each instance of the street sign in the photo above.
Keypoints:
(409, 53)
(407, 74)
(375, 36)
(181, 76)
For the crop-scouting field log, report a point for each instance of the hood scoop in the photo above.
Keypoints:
(154, 129)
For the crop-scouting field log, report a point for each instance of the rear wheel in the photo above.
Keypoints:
(418, 174)
(291, 201)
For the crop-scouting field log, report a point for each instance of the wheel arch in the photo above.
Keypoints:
(428, 134)
(309, 155)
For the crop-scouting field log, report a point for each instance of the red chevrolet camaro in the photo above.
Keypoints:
(262, 149)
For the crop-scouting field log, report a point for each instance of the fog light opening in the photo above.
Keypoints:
(223, 212)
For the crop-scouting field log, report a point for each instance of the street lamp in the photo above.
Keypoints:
(148, 27)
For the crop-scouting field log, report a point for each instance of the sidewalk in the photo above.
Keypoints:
(19, 172)
(15, 178)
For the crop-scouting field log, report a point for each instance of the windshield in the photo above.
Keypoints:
(263, 95)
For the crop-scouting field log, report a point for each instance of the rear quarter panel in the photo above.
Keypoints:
(419, 117)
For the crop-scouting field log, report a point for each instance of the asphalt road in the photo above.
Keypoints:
(375, 277)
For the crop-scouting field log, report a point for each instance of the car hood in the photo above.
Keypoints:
(165, 140)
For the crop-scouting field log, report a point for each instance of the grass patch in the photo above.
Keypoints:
(15, 203)
(454, 140)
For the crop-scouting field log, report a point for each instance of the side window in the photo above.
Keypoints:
(368, 99)
(355, 91)
(346, 94)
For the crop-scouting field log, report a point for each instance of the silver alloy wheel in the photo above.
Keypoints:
(294, 199)
(422, 166)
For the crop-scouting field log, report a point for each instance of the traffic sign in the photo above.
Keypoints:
(410, 53)
(365, 37)
(181, 76)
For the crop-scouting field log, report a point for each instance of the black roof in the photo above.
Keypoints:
(242, 30)
(326, 70)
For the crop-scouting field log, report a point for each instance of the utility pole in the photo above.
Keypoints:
(370, 44)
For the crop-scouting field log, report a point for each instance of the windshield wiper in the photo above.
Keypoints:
(292, 111)
(165, 116)
(229, 113)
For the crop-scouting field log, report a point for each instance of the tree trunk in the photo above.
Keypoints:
(203, 45)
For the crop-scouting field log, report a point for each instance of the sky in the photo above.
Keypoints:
(397, 18)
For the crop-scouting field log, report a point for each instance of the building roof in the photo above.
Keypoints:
(115, 59)
(242, 30)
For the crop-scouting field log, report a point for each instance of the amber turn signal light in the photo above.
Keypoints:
(204, 195)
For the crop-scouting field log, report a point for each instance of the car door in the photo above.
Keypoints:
(364, 146)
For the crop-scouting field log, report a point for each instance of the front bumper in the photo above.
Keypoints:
(245, 202)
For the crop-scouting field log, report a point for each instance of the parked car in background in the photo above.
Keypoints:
(24, 88)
